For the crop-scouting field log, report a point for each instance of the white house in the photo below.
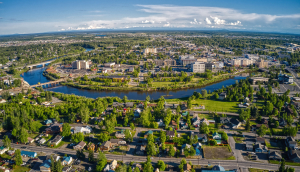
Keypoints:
(67, 160)
(161, 123)
(84, 130)
(3, 150)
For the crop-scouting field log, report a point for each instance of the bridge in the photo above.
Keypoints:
(42, 63)
(51, 83)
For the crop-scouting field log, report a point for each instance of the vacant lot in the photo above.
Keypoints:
(217, 152)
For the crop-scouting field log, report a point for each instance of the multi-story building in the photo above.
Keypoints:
(170, 62)
(198, 67)
(242, 62)
(202, 60)
(187, 59)
(150, 50)
(261, 63)
(209, 66)
(81, 64)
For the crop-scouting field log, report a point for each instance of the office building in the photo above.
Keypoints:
(198, 67)
(81, 64)
(261, 63)
(149, 50)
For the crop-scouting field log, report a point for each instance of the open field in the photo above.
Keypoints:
(216, 105)
(217, 152)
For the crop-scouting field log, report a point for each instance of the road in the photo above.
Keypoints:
(227, 164)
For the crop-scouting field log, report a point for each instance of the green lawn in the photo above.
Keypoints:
(20, 169)
(206, 116)
(238, 139)
(286, 163)
(217, 105)
(257, 170)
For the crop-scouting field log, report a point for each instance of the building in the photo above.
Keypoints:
(187, 59)
(109, 64)
(3, 150)
(67, 160)
(258, 147)
(249, 146)
(216, 136)
(57, 139)
(275, 156)
(140, 150)
(84, 130)
(158, 62)
(290, 142)
(81, 64)
(171, 134)
(217, 168)
(147, 133)
(284, 78)
(242, 62)
(42, 141)
(149, 50)
(120, 134)
(222, 96)
(169, 62)
(198, 67)
(254, 80)
(54, 129)
(46, 166)
(28, 154)
(80, 145)
(294, 155)
(187, 167)
(209, 66)
(105, 146)
(262, 64)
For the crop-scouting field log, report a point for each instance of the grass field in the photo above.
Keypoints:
(20, 169)
(238, 139)
(217, 152)
(216, 105)
(257, 170)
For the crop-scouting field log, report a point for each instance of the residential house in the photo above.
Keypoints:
(225, 120)
(91, 146)
(66, 169)
(171, 134)
(54, 129)
(120, 134)
(196, 120)
(147, 133)
(258, 147)
(235, 123)
(282, 122)
(84, 130)
(113, 165)
(222, 96)
(55, 157)
(30, 140)
(217, 136)
(290, 142)
(140, 150)
(173, 123)
(129, 104)
(205, 121)
(264, 121)
(275, 156)
(57, 139)
(161, 123)
(201, 137)
(28, 154)
(3, 150)
(114, 142)
(105, 146)
(46, 166)
(48, 122)
(184, 125)
(137, 113)
(218, 168)
(187, 167)
(11, 152)
(260, 140)
(79, 146)
(67, 160)
(249, 146)
(294, 155)
(42, 141)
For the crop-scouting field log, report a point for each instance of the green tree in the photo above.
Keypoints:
(91, 156)
(276, 124)
(128, 135)
(148, 166)
(171, 151)
(136, 169)
(23, 135)
(248, 125)
(204, 128)
(18, 157)
(132, 126)
(66, 130)
(84, 113)
(224, 136)
(77, 137)
(282, 166)
(213, 142)
(261, 131)
(162, 136)
(125, 99)
(161, 165)
(102, 161)
(151, 150)
(6, 141)
(103, 137)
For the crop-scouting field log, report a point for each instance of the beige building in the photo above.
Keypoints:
(81, 64)
(242, 62)
(150, 50)
(198, 67)
(202, 60)
(261, 63)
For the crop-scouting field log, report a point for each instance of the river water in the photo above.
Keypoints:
(36, 75)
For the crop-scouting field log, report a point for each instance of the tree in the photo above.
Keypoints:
(216, 96)
(148, 166)
(125, 99)
(213, 142)
(289, 120)
(171, 151)
(261, 131)
(102, 161)
(77, 137)
(136, 169)
(122, 168)
(84, 113)
(18, 157)
(161, 165)
(103, 137)
(91, 156)
(162, 136)
(128, 135)
(66, 130)
(189, 104)
(189, 151)
(151, 150)
(80, 154)
(248, 125)
(6, 141)
(204, 128)
(276, 124)
(282, 166)
(204, 93)
(224, 136)
(132, 126)
(23, 135)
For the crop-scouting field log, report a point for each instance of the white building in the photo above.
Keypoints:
(109, 64)
(150, 50)
(81, 64)
(198, 67)
(84, 130)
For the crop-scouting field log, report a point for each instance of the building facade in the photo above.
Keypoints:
(198, 67)
(81, 64)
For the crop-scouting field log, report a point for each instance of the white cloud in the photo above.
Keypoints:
(218, 21)
(167, 24)
(195, 22)
(147, 21)
(236, 23)
(207, 21)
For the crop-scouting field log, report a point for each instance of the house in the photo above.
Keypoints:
(225, 120)
(54, 129)
(129, 104)
(84, 130)
(28, 154)
(204, 120)
(140, 150)
(201, 137)
(258, 147)
(105, 146)
(294, 155)
(217, 168)
(4, 169)
(57, 139)
(3, 150)
(67, 160)
(114, 142)
(30, 140)
(275, 156)
(173, 123)
(46, 166)
(171, 134)
(147, 133)
(137, 113)
(48, 122)
(79, 146)
(113, 165)
(66, 169)
(260, 140)
(120, 134)
(55, 157)
(185, 113)
(161, 123)
(282, 122)
(264, 121)
(196, 120)
(91, 146)
(184, 125)
(216, 136)
(235, 123)
(11, 152)
(257, 126)
(42, 141)
(187, 167)
(222, 96)
(290, 142)
(183, 147)
(249, 146)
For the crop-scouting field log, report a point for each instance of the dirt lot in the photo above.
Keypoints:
(217, 152)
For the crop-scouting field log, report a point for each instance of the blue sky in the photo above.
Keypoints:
(35, 16)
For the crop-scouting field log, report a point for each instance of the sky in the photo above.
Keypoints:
(38, 16)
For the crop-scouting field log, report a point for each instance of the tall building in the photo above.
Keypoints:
(198, 67)
(262, 64)
(150, 50)
(186, 60)
(209, 66)
(81, 64)
(242, 62)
